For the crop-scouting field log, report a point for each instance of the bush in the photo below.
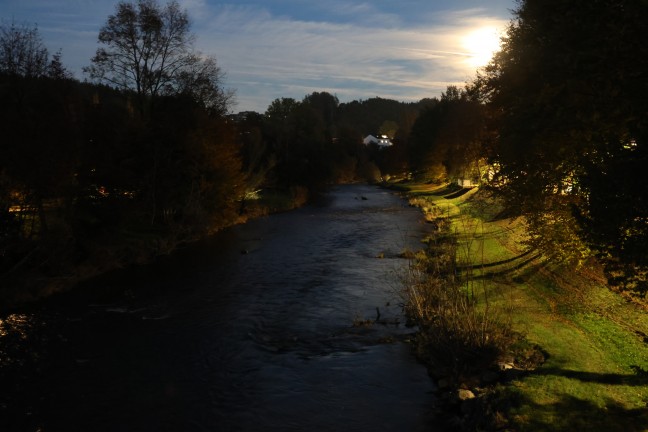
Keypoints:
(460, 332)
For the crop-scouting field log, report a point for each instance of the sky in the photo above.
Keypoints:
(405, 50)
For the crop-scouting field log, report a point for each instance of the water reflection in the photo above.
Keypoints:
(17, 324)
(18, 332)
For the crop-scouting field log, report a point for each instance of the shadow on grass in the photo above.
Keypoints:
(640, 378)
(525, 265)
(458, 193)
(501, 262)
(441, 191)
(574, 414)
(570, 413)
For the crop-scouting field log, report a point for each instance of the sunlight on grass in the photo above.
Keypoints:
(595, 376)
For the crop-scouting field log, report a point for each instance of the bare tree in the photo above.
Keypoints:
(148, 49)
(22, 51)
(201, 79)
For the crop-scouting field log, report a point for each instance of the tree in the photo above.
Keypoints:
(325, 104)
(148, 49)
(301, 140)
(22, 52)
(569, 104)
(446, 138)
(369, 115)
(279, 124)
(56, 70)
(280, 109)
(201, 80)
(257, 159)
(198, 180)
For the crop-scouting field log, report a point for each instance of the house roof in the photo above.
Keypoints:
(380, 139)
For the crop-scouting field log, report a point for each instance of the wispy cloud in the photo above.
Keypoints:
(356, 49)
(354, 60)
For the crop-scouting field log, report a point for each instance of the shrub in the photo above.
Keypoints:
(460, 332)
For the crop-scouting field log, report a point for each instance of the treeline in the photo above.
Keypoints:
(97, 175)
(567, 107)
(556, 127)
(146, 156)
(88, 182)
(318, 141)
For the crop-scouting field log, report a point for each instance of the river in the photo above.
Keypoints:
(290, 322)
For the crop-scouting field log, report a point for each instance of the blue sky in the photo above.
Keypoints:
(404, 50)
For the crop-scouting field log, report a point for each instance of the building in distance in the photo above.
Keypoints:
(380, 140)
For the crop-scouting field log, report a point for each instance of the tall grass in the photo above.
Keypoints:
(461, 332)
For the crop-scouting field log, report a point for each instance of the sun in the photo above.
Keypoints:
(480, 45)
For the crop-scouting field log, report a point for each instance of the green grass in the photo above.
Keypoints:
(595, 377)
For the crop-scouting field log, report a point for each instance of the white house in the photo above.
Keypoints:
(380, 140)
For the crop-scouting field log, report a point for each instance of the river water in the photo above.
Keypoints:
(287, 323)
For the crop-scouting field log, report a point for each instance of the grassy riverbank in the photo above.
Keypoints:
(594, 375)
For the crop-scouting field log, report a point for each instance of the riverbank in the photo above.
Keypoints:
(56, 267)
(258, 324)
(592, 373)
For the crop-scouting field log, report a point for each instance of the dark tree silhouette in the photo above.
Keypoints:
(446, 140)
(569, 101)
(148, 49)
(22, 51)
